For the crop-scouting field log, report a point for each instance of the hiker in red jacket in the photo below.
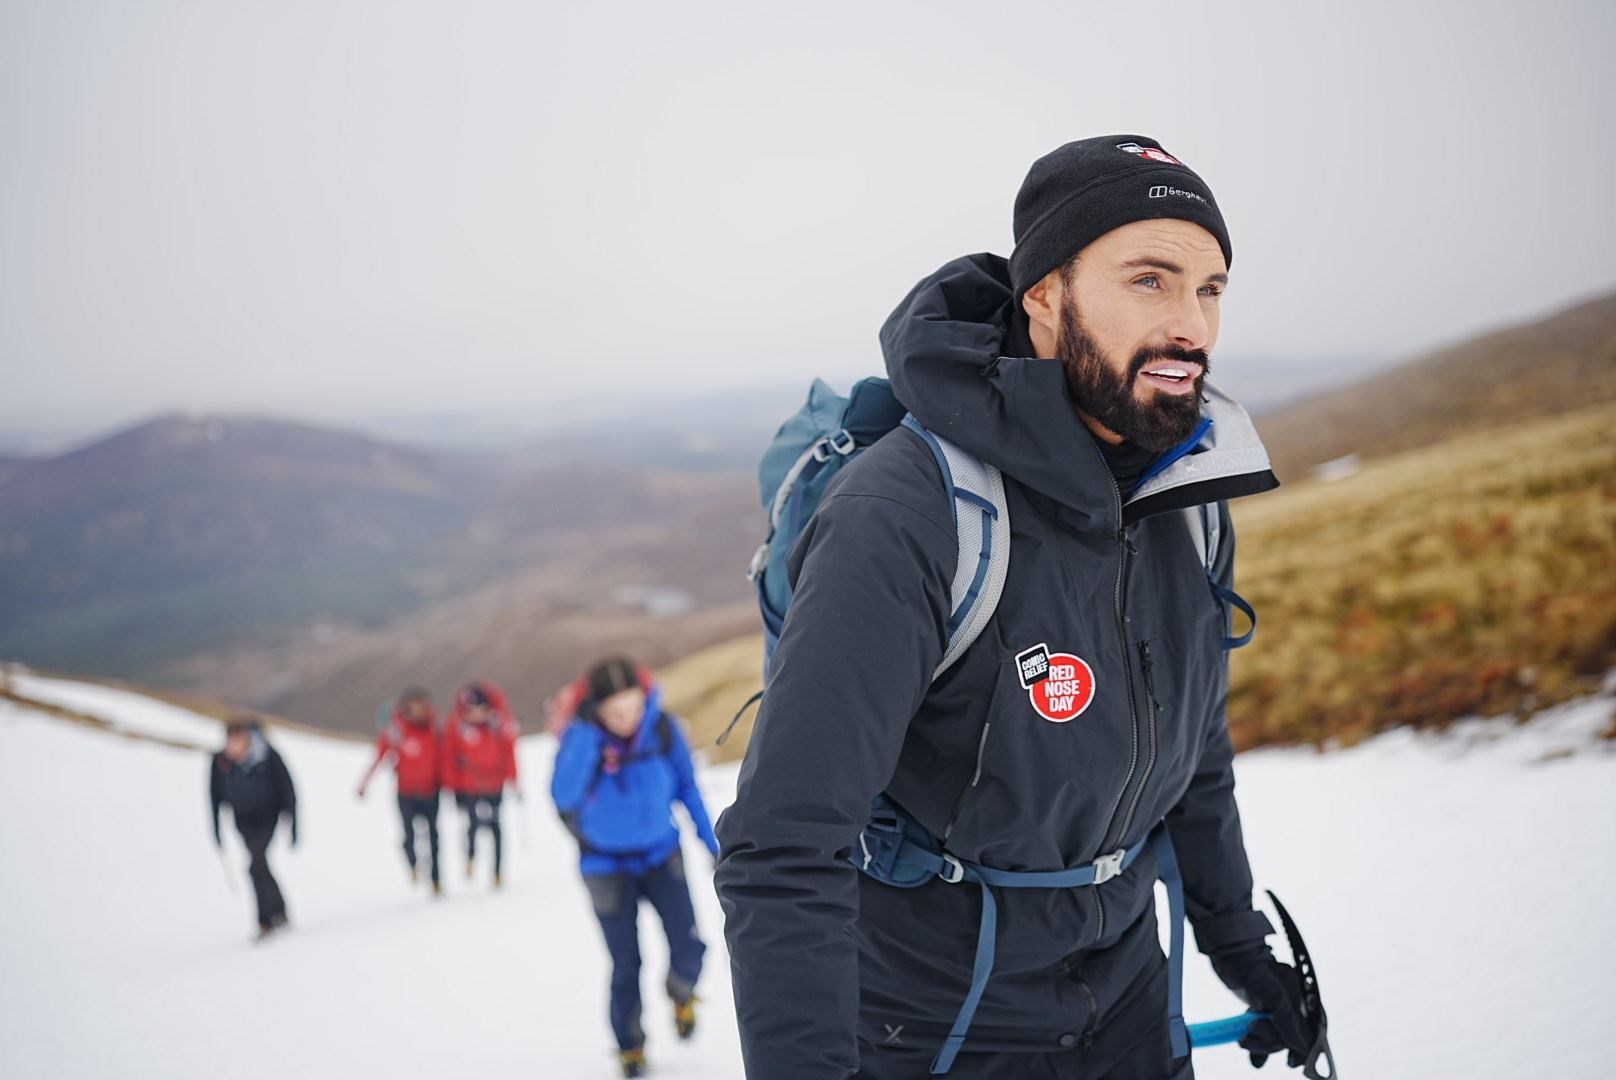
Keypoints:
(480, 759)
(411, 739)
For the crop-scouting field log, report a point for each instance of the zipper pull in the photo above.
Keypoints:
(1146, 665)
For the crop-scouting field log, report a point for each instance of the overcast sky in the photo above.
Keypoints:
(340, 209)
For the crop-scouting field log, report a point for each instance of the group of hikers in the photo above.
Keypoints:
(472, 756)
(621, 765)
(998, 596)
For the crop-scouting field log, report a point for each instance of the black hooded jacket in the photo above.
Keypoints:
(258, 788)
(822, 955)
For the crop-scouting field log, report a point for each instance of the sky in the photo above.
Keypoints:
(339, 210)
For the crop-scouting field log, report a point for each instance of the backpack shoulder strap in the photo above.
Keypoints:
(982, 523)
(1206, 531)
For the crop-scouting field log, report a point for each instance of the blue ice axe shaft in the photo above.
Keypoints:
(1229, 1029)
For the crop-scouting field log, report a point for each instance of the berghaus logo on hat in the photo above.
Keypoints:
(1151, 152)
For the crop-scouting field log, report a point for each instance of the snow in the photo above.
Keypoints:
(1449, 887)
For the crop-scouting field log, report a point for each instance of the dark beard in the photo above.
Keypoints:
(1108, 396)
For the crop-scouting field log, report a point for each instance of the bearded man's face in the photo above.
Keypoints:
(1135, 317)
(1151, 398)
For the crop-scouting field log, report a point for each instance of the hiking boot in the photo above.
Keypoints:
(633, 1062)
(684, 1017)
(499, 882)
(437, 888)
(471, 867)
(415, 875)
(265, 930)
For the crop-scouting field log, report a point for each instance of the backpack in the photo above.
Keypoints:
(820, 439)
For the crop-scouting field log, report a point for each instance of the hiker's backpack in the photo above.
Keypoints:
(820, 439)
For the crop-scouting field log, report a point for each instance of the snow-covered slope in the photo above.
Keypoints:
(1454, 890)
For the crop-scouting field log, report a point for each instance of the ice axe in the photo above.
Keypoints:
(1234, 1028)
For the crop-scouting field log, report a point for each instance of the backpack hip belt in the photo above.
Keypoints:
(895, 850)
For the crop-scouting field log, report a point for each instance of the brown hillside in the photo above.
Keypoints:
(1544, 368)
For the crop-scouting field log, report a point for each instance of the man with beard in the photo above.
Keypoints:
(1080, 737)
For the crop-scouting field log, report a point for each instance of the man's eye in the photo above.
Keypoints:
(1149, 281)
(1212, 291)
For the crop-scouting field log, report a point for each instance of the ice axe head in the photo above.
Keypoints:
(1312, 1004)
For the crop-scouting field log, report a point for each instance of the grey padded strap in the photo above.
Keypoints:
(970, 474)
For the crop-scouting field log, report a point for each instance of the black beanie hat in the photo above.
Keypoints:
(1077, 194)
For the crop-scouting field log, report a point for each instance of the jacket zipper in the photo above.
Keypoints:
(1125, 552)
(1151, 706)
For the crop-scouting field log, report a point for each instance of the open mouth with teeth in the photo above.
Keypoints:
(1172, 376)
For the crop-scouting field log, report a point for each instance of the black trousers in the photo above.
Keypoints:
(256, 833)
(411, 807)
(482, 811)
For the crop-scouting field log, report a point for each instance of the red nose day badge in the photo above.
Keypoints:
(1060, 685)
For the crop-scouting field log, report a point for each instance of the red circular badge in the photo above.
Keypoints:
(1066, 691)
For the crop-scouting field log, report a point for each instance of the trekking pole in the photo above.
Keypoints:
(224, 865)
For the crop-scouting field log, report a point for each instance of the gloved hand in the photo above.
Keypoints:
(1270, 987)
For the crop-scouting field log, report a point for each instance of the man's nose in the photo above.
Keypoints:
(1188, 326)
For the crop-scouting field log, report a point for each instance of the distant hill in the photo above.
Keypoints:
(269, 562)
(1543, 368)
(181, 532)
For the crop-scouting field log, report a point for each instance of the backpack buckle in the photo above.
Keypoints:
(839, 441)
(952, 872)
(1109, 866)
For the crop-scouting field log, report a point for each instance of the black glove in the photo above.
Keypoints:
(1270, 987)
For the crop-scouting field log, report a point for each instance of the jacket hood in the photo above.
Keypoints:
(943, 353)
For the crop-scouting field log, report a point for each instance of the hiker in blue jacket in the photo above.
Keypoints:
(622, 765)
(943, 851)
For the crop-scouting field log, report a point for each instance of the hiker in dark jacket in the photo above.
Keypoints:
(1081, 733)
(250, 777)
(622, 765)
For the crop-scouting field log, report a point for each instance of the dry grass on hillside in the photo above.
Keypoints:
(1477, 576)
(707, 687)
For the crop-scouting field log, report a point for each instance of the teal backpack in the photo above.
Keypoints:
(820, 439)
